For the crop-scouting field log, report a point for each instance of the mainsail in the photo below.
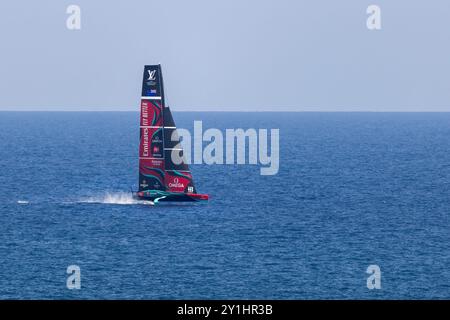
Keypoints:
(158, 138)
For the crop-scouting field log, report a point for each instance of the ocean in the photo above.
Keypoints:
(353, 190)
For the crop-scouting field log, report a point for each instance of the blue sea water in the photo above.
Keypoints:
(354, 189)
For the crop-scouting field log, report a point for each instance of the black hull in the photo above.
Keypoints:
(171, 197)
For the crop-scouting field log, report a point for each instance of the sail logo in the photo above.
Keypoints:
(157, 139)
(151, 75)
(176, 184)
(144, 113)
(144, 184)
(145, 143)
(150, 146)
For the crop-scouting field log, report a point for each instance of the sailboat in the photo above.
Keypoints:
(160, 179)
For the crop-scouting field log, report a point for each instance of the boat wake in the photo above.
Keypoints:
(123, 198)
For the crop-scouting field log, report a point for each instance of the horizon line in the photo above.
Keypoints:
(244, 111)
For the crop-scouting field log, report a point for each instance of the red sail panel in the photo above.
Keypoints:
(151, 145)
(151, 113)
(179, 181)
(151, 174)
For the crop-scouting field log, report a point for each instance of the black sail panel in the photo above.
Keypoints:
(171, 138)
(178, 176)
(152, 85)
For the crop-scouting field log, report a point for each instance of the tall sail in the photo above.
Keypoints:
(157, 171)
(151, 147)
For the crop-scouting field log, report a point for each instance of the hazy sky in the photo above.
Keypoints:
(227, 55)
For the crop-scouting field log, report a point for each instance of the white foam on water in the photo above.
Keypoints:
(123, 198)
(22, 202)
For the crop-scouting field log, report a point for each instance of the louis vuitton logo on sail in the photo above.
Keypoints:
(151, 75)
(237, 150)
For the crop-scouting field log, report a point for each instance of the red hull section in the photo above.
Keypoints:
(198, 196)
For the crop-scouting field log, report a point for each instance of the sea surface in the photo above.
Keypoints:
(353, 190)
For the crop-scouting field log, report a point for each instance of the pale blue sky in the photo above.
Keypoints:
(227, 55)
